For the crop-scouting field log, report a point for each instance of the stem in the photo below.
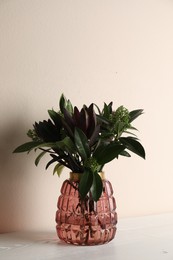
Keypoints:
(46, 150)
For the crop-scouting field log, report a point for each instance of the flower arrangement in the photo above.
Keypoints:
(84, 140)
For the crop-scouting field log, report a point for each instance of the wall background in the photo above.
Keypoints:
(92, 51)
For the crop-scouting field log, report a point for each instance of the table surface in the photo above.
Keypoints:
(140, 238)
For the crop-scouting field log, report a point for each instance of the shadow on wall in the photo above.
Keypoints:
(12, 176)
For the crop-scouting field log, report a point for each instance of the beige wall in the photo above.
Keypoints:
(92, 51)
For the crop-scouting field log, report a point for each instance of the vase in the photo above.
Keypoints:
(85, 222)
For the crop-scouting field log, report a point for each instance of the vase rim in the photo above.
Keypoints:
(76, 176)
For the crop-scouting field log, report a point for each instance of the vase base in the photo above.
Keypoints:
(86, 235)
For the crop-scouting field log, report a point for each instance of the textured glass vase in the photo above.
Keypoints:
(85, 222)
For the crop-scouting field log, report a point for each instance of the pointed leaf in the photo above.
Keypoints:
(65, 144)
(37, 160)
(125, 153)
(108, 153)
(58, 169)
(68, 118)
(69, 106)
(69, 145)
(92, 120)
(68, 128)
(27, 147)
(97, 186)
(133, 128)
(62, 103)
(56, 118)
(81, 142)
(65, 104)
(85, 183)
(133, 145)
(50, 162)
(107, 110)
(119, 127)
(100, 147)
(76, 115)
(134, 114)
(103, 119)
(130, 133)
(94, 135)
(83, 120)
(97, 108)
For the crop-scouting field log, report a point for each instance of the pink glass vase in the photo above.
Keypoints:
(85, 222)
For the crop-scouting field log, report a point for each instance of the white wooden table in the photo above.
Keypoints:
(142, 238)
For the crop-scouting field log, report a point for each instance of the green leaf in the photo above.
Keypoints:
(50, 162)
(27, 147)
(85, 183)
(132, 128)
(97, 186)
(69, 145)
(107, 110)
(64, 103)
(58, 169)
(56, 118)
(119, 127)
(103, 119)
(69, 107)
(133, 145)
(82, 144)
(125, 153)
(129, 133)
(108, 153)
(134, 114)
(66, 145)
(37, 160)
(100, 146)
